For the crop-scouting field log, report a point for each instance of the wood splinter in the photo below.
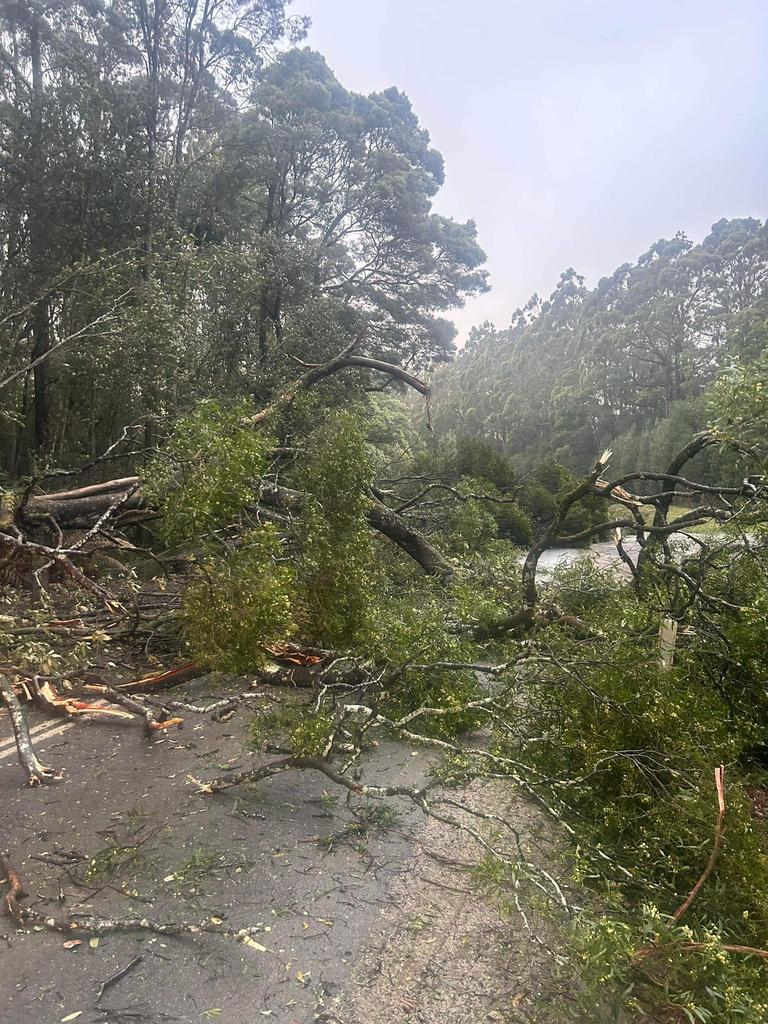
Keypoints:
(16, 890)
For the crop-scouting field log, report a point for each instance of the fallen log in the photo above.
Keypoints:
(81, 508)
(107, 487)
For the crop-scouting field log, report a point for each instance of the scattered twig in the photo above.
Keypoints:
(87, 924)
(118, 976)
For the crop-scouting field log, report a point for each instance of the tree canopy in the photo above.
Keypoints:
(188, 204)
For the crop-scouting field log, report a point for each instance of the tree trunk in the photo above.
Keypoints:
(41, 336)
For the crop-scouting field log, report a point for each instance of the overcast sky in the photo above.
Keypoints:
(574, 133)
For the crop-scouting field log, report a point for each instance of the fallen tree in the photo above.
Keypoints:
(580, 701)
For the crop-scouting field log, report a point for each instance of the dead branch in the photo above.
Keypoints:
(645, 952)
(37, 773)
(61, 558)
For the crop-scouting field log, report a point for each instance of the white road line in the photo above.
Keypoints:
(40, 738)
(41, 727)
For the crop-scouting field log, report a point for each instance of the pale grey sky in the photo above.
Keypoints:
(574, 133)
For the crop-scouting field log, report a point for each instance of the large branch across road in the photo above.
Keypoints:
(381, 518)
(83, 506)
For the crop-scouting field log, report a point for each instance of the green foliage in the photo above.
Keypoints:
(633, 747)
(338, 573)
(587, 366)
(206, 475)
(701, 985)
(540, 504)
(414, 629)
(474, 466)
(740, 400)
(239, 603)
(310, 735)
(545, 486)
(581, 585)
(153, 256)
(476, 457)
(637, 449)
(472, 525)
(515, 524)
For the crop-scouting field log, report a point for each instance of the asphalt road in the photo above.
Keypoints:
(289, 855)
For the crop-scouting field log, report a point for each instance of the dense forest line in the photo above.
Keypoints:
(234, 447)
(628, 364)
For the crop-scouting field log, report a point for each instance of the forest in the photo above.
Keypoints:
(247, 476)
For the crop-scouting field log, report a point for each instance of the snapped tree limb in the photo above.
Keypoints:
(344, 360)
(37, 773)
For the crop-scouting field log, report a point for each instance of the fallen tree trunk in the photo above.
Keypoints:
(381, 518)
(74, 509)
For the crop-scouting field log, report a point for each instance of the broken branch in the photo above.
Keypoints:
(37, 773)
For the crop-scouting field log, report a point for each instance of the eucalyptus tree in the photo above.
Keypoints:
(333, 189)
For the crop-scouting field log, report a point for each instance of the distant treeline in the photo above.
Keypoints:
(627, 364)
